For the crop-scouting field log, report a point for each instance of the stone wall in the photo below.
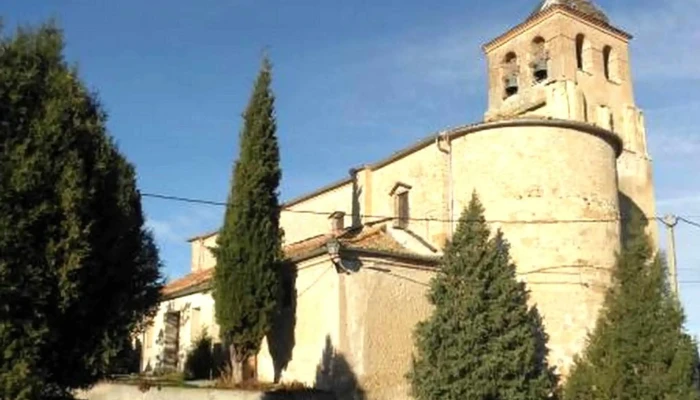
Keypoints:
(196, 315)
(299, 224)
(383, 303)
(294, 351)
(353, 333)
(108, 391)
(425, 172)
(564, 181)
(202, 257)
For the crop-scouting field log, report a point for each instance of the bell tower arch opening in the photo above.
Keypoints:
(611, 64)
(584, 53)
(540, 70)
(510, 75)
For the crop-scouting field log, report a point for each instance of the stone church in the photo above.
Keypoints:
(559, 157)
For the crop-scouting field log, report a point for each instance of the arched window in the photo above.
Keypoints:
(539, 60)
(510, 74)
(580, 40)
(584, 106)
(610, 66)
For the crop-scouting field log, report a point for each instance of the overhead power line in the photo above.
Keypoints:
(382, 217)
(689, 222)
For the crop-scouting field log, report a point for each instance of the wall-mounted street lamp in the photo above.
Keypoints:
(333, 248)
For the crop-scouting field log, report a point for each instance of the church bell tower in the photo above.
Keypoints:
(567, 61)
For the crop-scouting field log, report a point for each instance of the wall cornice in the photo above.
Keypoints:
(544, 14)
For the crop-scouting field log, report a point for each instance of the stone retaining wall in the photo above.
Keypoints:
(109, 391)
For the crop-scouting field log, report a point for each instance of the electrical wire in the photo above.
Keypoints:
(684, 219)
(689, 222)
(385, 217)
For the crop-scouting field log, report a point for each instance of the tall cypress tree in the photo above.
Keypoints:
(78, 270)
(638, 349)
(246, 279)
(482, 340)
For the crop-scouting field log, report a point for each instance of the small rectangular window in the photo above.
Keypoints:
(195, 324)
(402, 210)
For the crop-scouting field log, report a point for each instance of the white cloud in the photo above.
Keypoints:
(679, 201)
(676, 145)
(666, 37)
(672, 131)
(163, 231)
(180, 226)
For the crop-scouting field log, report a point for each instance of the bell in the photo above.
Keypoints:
(540, 70)
(511, 85)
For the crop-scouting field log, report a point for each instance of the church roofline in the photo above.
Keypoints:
(365, 241)
(323, 189)
(454, 133)
(287, 204)
(459, 131)
(538, 17)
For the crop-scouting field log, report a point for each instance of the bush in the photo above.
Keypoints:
(200, 362)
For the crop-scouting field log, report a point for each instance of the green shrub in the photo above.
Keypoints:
(200, 362)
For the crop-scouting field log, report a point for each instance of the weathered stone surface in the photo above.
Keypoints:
(108, 391)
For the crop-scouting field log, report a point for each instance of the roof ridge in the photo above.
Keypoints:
(306, 240)
(366, 233)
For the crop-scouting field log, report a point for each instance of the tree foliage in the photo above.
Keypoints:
(78, 271)
(127, 360)
(638, 349)
(200, 362)
(246, 279)
(482, 340)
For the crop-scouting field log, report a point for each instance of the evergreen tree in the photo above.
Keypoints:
(246, 279)
(638, 349)
(78, 271)
(482, 340)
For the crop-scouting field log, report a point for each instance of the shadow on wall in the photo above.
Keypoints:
(356, 194)
(334, 374)
(280, 340)
(628, 210)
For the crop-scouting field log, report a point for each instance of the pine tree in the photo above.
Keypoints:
(638, 349)
(482, 340)
(78, 271)
(246, 279)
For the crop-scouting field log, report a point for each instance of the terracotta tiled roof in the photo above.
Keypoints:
(372, 238)
(586, 7)
(189, 281)
(299, 249)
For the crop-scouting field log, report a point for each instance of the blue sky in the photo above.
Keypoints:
(175, 75)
